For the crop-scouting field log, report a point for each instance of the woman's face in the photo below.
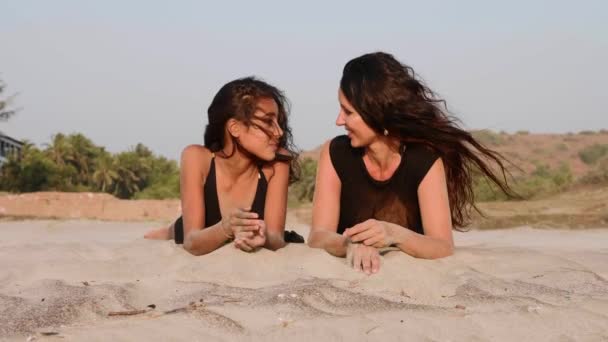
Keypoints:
(359, 133)
(261, 137)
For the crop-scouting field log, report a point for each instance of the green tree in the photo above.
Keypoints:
(30, 170)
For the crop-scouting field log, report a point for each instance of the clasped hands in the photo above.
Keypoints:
(247, 230)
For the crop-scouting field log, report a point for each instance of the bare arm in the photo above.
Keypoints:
(437, 241)
(276, 206)
(194, 165)
(326, 208)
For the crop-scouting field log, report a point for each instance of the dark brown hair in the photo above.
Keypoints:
(388, 95)
(238, 99)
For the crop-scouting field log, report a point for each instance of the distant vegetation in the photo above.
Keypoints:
(303, 190)
(548, 165)
(5, 101)
(593, 153)
(598, 175)
(74, 163)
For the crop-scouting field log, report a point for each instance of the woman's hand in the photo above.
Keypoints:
(238, 221)
(363, 258)
(372, 232)
(249, 241)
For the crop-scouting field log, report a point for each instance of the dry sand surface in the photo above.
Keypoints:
(64, 277)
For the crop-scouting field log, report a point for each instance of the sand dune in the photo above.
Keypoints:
(65, 277)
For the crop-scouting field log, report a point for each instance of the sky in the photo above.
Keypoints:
(128, 72)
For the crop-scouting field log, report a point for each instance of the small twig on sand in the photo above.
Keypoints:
(128, 313)
(372, 329)
(189, 307)
(132, 312)
(232, 301)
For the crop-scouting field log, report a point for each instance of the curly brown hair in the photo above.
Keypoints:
(238, 99)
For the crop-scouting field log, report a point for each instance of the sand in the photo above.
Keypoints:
(64, 277)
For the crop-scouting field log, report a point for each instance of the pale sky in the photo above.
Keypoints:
(124, 72)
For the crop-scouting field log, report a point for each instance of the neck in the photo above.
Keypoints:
(383, 151)
(239, 163)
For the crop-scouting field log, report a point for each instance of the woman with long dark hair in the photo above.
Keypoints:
(402, 176)
(234, 188)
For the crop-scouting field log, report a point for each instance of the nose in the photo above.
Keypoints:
(278, 131)
(340, 121)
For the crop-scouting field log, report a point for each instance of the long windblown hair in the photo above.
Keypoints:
(389, 96)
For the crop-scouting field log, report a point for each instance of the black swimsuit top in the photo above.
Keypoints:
(213, 214)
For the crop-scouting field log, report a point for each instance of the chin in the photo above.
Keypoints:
(266, 156)
(354, 142)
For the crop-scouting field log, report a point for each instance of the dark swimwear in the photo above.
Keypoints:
(394, 200)
(213, 214)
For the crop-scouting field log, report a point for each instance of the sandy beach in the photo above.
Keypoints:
(61, 279)
(75, 267)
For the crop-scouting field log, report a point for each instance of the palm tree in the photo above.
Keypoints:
(104, 176)
(126, 183)
(84, 155)
(5, 112)
(60, 150)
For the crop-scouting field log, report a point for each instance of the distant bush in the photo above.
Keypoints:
(587, 132)
(303, 190)
(541, 182)
(598, 175)
(522, 132)
(538, 150)
(487, 137)
(561, 147)
(590, 154)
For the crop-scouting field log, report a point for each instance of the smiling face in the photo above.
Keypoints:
(359, 133)
(261, 136)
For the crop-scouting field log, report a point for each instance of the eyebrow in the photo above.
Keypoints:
(346, 109)
(271, 113)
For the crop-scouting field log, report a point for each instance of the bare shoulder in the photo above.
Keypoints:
(276, 168)
(325, 146)
(196, 157)
(324, 153)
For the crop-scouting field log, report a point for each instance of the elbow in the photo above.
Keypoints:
(190, 247)
(446, 251)
(274, 242)
(274, 246)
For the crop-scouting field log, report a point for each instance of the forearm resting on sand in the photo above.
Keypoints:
(203, 241)
(421, 246)
(334, 243)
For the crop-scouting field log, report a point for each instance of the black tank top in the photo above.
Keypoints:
(394, 200)
(213, 214)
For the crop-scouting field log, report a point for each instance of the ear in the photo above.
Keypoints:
(234, 127)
